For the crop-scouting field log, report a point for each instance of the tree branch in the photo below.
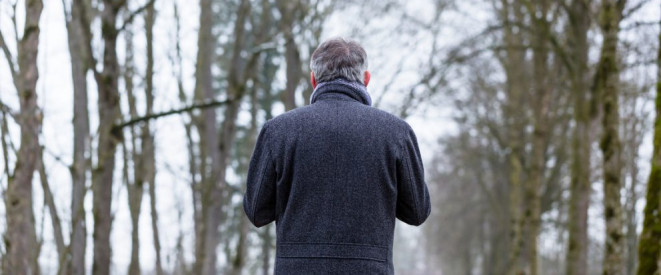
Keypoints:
(50, 202)
(134, 14)
(8, 111)
(639, 24)
(632, 10)
(8, 56)
(211, 104)
(67, 14)
(4, 131)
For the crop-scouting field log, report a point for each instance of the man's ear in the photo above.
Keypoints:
(313, 81)
(366, 77)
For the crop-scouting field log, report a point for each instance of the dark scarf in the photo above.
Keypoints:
(355, 90)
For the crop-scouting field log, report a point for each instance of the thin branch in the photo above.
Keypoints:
(59, 159)
(50, 202)
(6, 110)
(135, 13)
(639, 24)
(4, 131)
(13, 20)
(632, 10)
(8, 56)
(84, 21)
(67, 14)
(211, 104)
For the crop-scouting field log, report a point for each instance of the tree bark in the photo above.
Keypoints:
(135, 186)
(606, 81)
(632, 130)
(514, 65)
(579, 200)
(81, 136)
(220, 150)
(148, 153)
(20, 238)
(109, 114)
(205, 252)
(532, 217)
(289, 10)
(650, 239)
(239, 262)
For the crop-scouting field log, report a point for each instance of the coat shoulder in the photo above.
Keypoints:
(371, 114)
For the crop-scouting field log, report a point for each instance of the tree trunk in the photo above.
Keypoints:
(632, 139)
(135, 186)
(289, 11)
(579, 200)
(514, 64)
(606, 81)
(220, 149)
(532, 217)
(148, 153)
(631, 223)
(20, 238)
(205, 241)
(108, 109)
(81, 137)
(266, 249)
(239, 261)
(650, 239)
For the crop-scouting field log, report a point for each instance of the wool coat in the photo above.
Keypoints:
(334, 176)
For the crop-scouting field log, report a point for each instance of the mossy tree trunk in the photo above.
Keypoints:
(650, 239)
(606, 87)
(579, 200)
(542, 102)
(516, 86)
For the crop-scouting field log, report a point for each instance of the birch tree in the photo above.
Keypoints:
(606, 87)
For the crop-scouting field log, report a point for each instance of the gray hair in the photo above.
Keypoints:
(339, 58)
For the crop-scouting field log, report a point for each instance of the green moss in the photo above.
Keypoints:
(650, 239)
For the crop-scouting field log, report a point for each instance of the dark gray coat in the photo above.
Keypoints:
(334, 175)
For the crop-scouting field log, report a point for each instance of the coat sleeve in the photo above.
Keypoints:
(259, 199)
(413, 205)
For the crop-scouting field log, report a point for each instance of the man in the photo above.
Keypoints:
(334, 175)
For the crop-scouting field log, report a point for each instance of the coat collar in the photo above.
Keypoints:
(344, 88)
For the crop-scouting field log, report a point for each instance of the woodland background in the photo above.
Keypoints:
(127, 128)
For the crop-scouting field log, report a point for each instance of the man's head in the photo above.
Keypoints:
(339, 58)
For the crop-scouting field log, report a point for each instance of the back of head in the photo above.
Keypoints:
(339, 58)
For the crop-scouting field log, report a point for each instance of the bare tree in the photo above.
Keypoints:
(20, 238)
(109, 114)
(148, 150)
(291, 10)
(650, 239)
(205, 242)
(606, 87)
(80, 61)
(578, 25)
(514, 62)
(135, 186)
(542, 102)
